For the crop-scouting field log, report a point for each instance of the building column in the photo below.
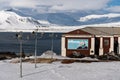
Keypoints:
(63, 49)
(101, 46)
(111, 44)
(92, 49)
(118, 45)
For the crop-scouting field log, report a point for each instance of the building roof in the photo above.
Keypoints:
(102, 30)
(96, 31)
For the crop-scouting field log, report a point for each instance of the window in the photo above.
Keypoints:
(77, 44)
(106, 42)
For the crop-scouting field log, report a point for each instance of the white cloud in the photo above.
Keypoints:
(18, 3)
(57, 5)
(80, 5)
(114, 9)
(23, 3)
(3, 4)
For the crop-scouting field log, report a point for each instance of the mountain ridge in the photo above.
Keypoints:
(55, 22)
(71, 18)
(10, 20)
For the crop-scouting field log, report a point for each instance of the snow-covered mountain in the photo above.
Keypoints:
(12, 21)
(90, 17)
(100, 19)
(78, 18)
(61, 19)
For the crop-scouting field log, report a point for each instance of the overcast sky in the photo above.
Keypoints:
(62, 5)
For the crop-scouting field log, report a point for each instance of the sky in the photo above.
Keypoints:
(62, 5)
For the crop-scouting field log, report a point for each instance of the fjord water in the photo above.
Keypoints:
(10, 43)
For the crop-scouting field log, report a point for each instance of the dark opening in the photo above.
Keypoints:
(97, 46)
(115, 46)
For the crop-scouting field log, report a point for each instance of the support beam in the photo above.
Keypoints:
(92, 50)
(111, 44)
(118, 45)
(63, 49)
(101, 46)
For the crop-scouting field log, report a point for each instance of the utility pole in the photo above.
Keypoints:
(21, 58)
(52, 35)
(36, 42)
(19, 37)
(36, 47)
(52, 40)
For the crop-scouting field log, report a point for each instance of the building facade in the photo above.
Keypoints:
(91, 41)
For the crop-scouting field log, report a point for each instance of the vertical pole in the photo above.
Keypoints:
(36, 48)
(21, 56)
(101, 46)
(52, 44)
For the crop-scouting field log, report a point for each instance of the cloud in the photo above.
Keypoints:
(23, 3)
(18, 3)
(3, 4)
(114, 9)
(70, 5)
(56, 5)
(80, 5)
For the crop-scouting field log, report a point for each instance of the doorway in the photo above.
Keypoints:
(97, 46)
(115, 46)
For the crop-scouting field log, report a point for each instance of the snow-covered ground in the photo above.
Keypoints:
(58, 71)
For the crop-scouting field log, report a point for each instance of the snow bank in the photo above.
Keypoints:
(48, 54)
(51, 54)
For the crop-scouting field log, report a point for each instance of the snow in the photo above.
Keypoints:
(48, 54)
(113, 24)
(89, 17)
(58, 71)
(51, 54)
(10, 21)
(44, 22)
(5, 15)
